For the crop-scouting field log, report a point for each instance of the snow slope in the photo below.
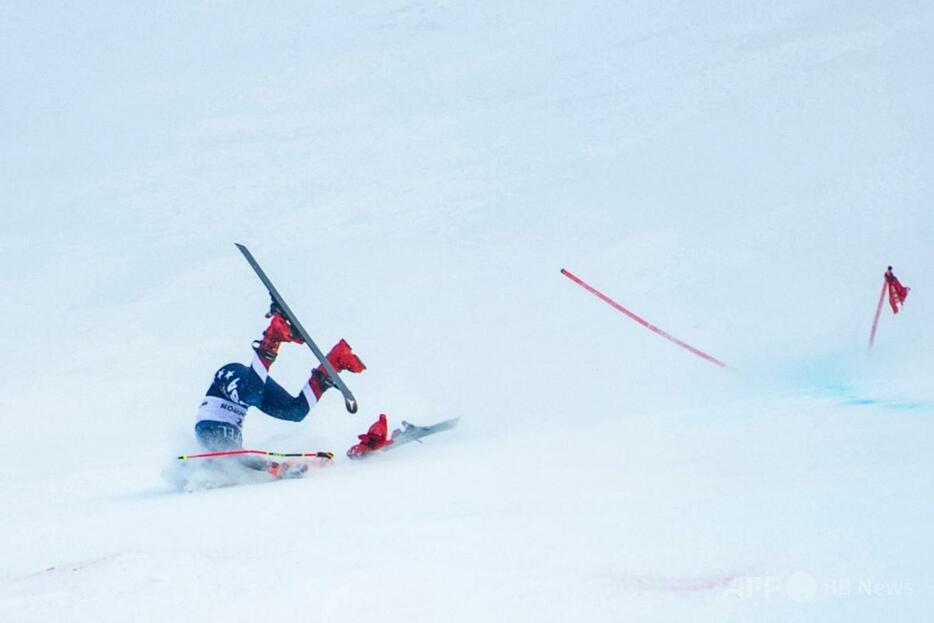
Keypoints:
(413, 174)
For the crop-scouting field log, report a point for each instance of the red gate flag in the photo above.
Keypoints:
(897, 295)
(897, 292)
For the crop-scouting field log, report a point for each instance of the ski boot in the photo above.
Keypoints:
(342, 358)
(279, 331)
(374, 439)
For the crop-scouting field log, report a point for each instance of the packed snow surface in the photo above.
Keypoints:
(413, 175)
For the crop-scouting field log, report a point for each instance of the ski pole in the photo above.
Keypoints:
(205, 455)
(603, 297)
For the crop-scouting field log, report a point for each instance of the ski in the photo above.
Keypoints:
(349, 401)
(225, 469)
(412, 432)
(401, 436)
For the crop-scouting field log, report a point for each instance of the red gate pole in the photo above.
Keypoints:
(603, 297)
(875, 321)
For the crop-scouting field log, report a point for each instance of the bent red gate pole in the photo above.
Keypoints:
(875, 321)
(603, 297)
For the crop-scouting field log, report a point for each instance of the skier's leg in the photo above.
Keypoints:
(280, 404)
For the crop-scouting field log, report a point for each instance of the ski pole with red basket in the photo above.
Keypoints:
(207, 455)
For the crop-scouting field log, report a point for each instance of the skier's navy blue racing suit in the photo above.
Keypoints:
(237, 387)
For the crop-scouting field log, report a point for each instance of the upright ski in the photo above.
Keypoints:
(349, 401)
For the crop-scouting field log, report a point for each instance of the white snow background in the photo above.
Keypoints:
(413, 176)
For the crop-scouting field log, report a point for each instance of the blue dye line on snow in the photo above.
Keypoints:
(827, 378)
(851, 398)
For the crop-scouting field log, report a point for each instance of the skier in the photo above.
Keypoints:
(237, 387)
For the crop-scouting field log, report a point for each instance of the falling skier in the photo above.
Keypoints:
(236, 387)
